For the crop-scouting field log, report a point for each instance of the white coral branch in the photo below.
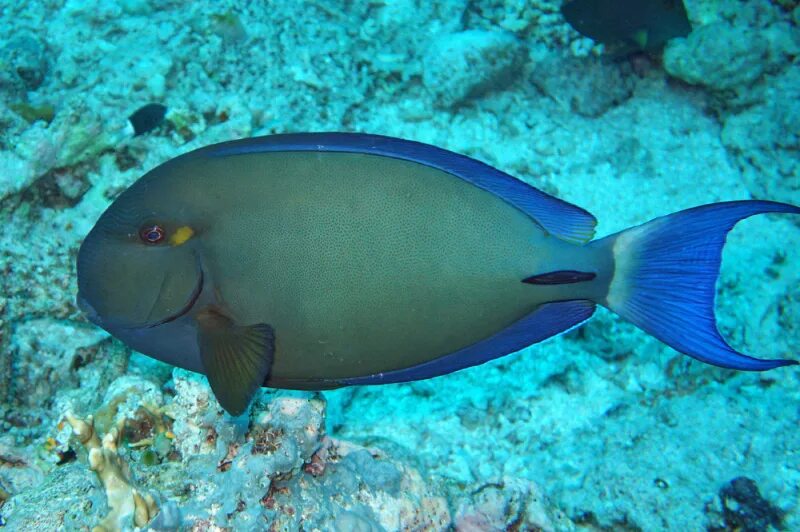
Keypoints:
(125, 503)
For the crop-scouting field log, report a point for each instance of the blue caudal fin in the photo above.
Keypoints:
(665, 276)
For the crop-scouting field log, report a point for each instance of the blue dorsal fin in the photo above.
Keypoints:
(546, 321)
(557, 217)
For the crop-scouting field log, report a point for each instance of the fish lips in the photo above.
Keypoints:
(88, 310)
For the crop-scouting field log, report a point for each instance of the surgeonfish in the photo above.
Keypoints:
(628, 24)
(315, 261)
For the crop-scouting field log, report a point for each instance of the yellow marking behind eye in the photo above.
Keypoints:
(181, 235)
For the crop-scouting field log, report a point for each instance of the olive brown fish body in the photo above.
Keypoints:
(317, 261)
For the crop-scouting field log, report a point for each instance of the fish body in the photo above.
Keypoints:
(633, 24)
(345, 254)
(315, 261)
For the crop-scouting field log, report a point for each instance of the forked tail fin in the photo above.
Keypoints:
(665, 276)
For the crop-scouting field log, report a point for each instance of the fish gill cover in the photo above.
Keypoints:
(535, 440)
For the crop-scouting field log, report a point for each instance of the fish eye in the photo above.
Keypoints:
(151, 234)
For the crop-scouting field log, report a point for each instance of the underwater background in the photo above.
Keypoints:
(603, 428)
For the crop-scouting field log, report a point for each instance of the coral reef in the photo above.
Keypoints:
(742, 56)
(277, 467)
(697, 58)
(600, 428)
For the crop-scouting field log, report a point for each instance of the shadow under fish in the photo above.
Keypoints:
(628, 25)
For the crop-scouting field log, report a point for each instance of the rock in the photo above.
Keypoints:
(743, 507)
(589, 86)
(611, 339)
(353, 522)
(52, 355)
(719, 56)
(509, 504)
(464, 65)
(274, 466)
(279, 467)
(16, 174)
(20, 471)
(789, 311)
(784, 42)
(25, 64)
(356, 488)
(765, 137)
(68, 499)
(132, 399)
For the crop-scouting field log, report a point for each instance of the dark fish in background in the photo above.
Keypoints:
(314, 261)
(147, 118)
(628, 25)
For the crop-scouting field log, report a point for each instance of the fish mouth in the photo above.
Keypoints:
(88, 310)
(195, 295)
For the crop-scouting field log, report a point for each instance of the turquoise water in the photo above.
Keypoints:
(604, 428)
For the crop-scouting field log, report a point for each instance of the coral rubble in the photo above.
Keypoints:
(600, 428)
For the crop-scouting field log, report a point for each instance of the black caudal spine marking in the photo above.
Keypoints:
(560, 277)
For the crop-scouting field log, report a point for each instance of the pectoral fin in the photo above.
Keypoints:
(236, 359)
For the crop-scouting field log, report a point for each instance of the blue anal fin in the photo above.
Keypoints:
(547, 320)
